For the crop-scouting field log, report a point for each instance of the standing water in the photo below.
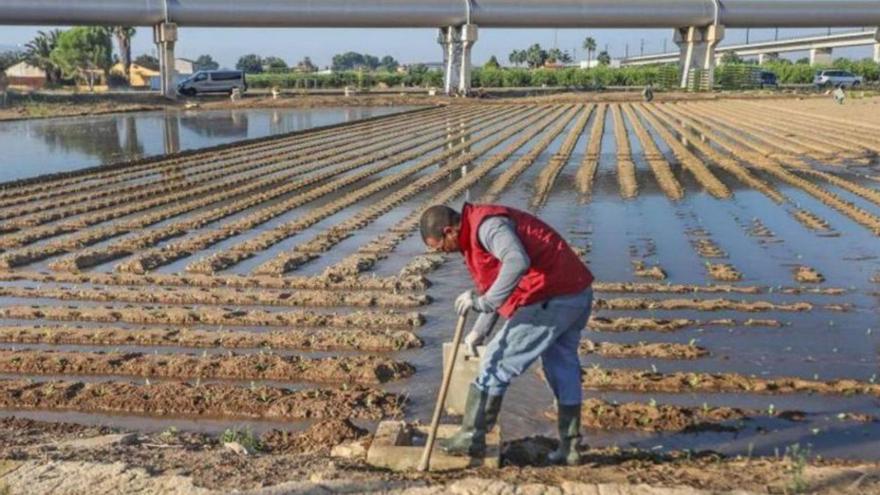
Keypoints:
(44, 146)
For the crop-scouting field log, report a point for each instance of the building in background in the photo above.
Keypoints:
(26, 75)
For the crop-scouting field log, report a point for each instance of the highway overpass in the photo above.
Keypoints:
(820, 48)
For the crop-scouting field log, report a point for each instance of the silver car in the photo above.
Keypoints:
(834, 78)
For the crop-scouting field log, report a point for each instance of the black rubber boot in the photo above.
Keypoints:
(569, 424)
(480, 415)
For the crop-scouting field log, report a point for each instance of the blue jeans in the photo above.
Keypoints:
(550, 330)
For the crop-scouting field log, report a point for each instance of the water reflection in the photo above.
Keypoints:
(106, 140)
(29, 148)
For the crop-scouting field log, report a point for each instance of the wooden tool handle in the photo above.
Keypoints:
(441, 396)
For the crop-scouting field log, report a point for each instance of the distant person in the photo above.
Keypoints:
(4, 85)
(648, 93)
(839, 95)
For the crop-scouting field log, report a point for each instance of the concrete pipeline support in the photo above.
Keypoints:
(165, 36)
(698, 59)
(877, 45)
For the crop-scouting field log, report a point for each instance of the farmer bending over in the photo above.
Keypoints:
(526, 272)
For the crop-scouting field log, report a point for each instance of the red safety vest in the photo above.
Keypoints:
(555, 269)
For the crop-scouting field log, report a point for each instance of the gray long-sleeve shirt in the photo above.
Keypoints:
(498, 235)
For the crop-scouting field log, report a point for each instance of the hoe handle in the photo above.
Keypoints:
(441, 396)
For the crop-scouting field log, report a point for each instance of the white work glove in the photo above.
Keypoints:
(465, 302)
(471, 341)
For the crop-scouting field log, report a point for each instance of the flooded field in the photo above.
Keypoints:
(43, 146)
(278, 283)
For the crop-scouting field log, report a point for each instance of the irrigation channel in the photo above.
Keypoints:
(278, 282)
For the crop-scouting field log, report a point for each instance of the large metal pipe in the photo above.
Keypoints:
(434, 13)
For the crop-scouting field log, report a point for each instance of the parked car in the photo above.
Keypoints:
(213, 81)
(832, 78)
(768, 80)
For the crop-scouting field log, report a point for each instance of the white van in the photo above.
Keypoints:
(213, 81)
(833, 78)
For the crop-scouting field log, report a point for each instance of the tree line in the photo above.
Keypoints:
(536, 56)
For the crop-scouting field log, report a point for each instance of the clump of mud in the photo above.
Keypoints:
(708, 249)
(320, 437)
(723, 272)
(808, 275)
(811, 220)
(658, 350)
(654, 272)
(604, 415)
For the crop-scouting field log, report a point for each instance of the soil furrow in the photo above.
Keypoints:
(322, 339)
(626, 169)
(643, 350)
(633, 324)
(173, 315)
(366, 370)
(587, 171)
(219, 296)
(596, 378)
(661, 168)
(213, 400)
(547, 177)
(700, 305)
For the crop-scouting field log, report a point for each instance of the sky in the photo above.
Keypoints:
(410, 45)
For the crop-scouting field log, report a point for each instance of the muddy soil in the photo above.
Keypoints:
(347, 369)
(219, 296)
(214, 400)
(648, 381)
(723, 272)
(654, 272)
(331, 339)
(182, 280)
(205, 315)
(658, 350)
(808, 275)
(633, 324)
(603, 415)
(700, 305)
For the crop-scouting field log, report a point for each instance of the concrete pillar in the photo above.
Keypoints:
(713, 36)
(763, 58)
(877, 45)
(697, 47)
(165, 36)
(821, 56)
(452, 47)
(444, 37)
(686, 39)
(469, 35)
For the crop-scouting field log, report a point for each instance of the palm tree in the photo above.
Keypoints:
(514, 57)
(590, 47)
(38, 51)
(123, 36)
